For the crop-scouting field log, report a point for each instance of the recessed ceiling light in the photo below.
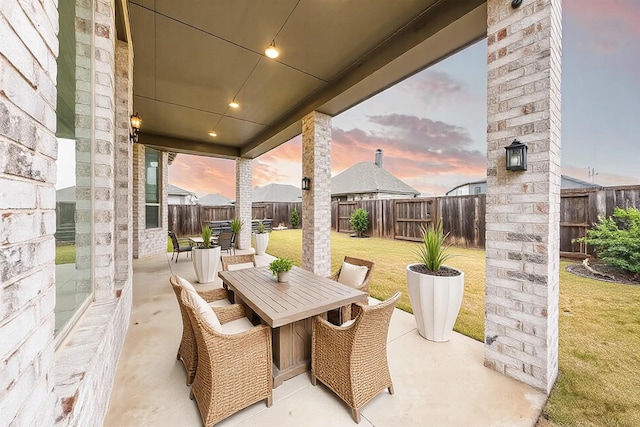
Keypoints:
(234, 104)
(212, 133)
(272, 51)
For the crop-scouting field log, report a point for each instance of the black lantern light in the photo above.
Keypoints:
(306, 183)
(516, 156)
(136, 123)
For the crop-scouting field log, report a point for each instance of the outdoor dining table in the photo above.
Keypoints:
(289, 309)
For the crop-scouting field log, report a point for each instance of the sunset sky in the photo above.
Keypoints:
(432, 126)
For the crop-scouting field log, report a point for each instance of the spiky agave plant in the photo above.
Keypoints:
(433, 252)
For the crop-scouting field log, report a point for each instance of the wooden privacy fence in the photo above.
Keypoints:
(463, 217)
(187, 220)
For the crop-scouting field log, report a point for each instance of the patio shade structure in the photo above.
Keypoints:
(192, 58)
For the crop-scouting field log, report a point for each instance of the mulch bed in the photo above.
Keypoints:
(619, 275)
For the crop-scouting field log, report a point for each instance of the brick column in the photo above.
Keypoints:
(28, 151)
(316, 202)
(243, 200)
(522, 238)
(103, 149)
(123, 161)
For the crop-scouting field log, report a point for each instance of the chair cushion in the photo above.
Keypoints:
(220, 303)
(348, 323)
(186, 284)
(205, 311)
(240, 266)
(237, 326)
(352, 275)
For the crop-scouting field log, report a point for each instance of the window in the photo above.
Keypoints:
(477, 190)
(152, 188)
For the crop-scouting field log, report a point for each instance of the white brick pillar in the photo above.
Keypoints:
(243, 200)
(316, 202)
(103, 148)
(124, 164)
(522, 239)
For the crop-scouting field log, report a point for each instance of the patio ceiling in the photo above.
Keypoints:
(191, 58)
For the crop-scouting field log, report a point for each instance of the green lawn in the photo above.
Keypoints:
(599, 381)
(65, 254)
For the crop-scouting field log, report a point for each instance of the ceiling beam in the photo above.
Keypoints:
(432, 20)
(188, 146)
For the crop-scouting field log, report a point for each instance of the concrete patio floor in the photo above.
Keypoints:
(436, 384)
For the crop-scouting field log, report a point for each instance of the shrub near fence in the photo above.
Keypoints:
(463, 216)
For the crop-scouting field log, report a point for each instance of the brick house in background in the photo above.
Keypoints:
(369, 181)
(66, 77)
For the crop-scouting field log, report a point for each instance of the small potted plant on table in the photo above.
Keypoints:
(435, 290)
(280, 267)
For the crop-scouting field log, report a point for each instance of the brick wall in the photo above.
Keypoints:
(522, 220)
(243, 200)
(154, 240)
(316, 203)
(28, 150)
(123, 164)
(86, 362)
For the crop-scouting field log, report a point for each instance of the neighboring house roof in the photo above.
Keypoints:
(276, 193)
(565, 183)
(216, 199)
(569, 182)
(368, 177)
(483, 181)
(66, 194)
(172, 190)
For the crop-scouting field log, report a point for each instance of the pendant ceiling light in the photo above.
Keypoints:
(234, 104)
(212, 133)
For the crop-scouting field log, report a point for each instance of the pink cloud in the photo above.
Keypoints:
(606, 26)
(203, 175)
(432, 156)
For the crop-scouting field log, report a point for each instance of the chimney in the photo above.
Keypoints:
(379, 158)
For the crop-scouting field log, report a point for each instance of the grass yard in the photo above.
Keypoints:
(599, 380)
(65, 254)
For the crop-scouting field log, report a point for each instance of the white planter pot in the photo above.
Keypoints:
(205, 263)
(261, 241)
(436, 302)
(283, 276)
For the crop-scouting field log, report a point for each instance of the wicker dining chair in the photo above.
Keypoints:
(231, 262)
(342, 314)
(352, 360)
(187, 351)
(234, 370)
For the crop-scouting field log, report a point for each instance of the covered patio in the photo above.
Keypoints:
(439, 384)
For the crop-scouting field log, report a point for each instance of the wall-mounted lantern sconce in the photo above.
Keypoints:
(306, 183)
(136, 123)
(516, 156)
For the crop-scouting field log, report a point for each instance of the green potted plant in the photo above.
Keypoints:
(280, 267)
(261, 239)
(236, 225)
(359, 221)
(435, 290)
(206, 257)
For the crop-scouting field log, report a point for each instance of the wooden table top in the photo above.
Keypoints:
(305, 295)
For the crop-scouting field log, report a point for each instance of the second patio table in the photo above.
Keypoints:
(289, 309)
